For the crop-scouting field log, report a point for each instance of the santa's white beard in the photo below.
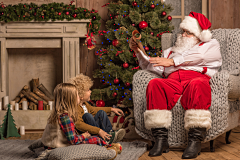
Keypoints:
(184, 43)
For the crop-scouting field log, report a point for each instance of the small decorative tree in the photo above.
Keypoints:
(8, 127)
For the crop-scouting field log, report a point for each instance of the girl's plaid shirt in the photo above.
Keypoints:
(68, 127)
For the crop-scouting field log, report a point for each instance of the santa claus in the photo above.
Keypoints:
(186, 69)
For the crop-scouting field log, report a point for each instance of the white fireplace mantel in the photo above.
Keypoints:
(57, 34)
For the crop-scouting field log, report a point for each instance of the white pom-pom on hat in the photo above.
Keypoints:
(205, 35)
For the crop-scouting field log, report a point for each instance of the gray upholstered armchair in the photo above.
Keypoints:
(225, 86)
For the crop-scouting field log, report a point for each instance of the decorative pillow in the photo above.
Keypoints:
(82, 151)
(36, 144)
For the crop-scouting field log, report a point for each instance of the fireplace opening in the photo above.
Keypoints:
(28, 63)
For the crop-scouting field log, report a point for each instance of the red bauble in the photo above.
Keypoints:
(133, 24)
(143, 25)
(67, 13)
(74, 15)
(100, 103)
(115, 43)
(94, 18)
(152, 33)
(152, 6)
(114, 94)
(134, 54)
(125, 65)
(146, 48)
(163, 13)
(116, 81)
(169, 18)
(134, 4)
(59, 14)
(127, 84)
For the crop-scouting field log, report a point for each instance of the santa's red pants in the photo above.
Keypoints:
(193, 86)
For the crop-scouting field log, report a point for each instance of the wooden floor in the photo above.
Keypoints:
(222, 150)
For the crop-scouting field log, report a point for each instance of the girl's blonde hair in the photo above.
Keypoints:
(82, 82)
(65, 101)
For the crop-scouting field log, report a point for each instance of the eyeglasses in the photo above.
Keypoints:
(187, 33)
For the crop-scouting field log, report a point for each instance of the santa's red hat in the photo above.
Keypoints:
(197, 24)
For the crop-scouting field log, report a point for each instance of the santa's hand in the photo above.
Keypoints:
(159, 61)
(133, 45)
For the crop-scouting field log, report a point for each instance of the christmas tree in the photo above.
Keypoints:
(8, 127)
(118, 62)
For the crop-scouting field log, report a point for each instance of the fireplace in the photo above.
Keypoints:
(59, 37)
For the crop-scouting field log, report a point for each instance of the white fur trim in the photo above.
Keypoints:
(205, 35)
(191, 24)
(197, 118)
(157, 118)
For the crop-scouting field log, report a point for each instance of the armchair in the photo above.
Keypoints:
(225, 86)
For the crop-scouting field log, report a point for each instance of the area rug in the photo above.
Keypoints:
(18, 150)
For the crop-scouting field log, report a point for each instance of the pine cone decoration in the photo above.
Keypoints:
(95, 26)
(87, 15)
(27, 14)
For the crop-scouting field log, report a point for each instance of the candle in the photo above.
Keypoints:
(13, 105)
(50, 103)
(40, 105)
(16, 106)
(0, 106)
(5, 102)
(24, 105)
(22, 130)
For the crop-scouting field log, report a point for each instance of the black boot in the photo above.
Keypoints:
(195, 136)
(161, 142)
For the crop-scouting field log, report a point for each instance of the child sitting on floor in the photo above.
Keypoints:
(94, 119)
(60, 130)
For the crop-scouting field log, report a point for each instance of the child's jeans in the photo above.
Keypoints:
(100, 120)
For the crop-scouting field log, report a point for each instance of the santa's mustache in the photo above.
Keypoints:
(184, 43)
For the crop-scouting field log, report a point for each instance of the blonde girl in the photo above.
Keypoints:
(60, 130)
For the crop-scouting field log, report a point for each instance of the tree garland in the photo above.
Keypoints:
(52, 11)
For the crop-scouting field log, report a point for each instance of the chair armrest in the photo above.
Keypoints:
(234, 87)
(166, 41)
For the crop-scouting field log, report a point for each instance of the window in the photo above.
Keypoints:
(182, 8)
